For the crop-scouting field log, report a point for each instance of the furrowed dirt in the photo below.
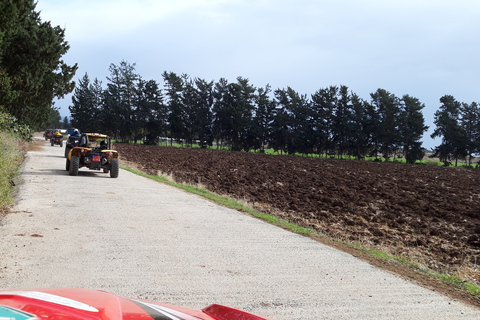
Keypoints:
(426, 214)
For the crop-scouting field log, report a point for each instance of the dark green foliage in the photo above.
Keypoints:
(470, 123)
(150, 112)
(32, 72)
(448, 126)
(233, 111)
(129, 109)
(11, 125)
(53, 120)
(333, 122)
(292, 122)
(412, 127)
(174, 86)
(387, 135)
(86, 105)
(263, 119)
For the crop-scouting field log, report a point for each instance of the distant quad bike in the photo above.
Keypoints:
(56, 139)
(94, 152)
(48, 134)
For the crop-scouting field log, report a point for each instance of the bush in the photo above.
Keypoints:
(11, 125)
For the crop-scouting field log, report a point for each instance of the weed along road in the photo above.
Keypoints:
(136, 237)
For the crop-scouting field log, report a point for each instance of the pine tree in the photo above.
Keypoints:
(412, 127)
(448, 127)
(32, 72)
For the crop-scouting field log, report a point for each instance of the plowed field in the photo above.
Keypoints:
(425, 213)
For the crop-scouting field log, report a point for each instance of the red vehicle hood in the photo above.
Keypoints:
(56, 304)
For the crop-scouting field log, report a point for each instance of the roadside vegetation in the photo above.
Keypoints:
(11, 157)
(13, 137)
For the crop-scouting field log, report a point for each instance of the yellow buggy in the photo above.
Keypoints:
(94, 152)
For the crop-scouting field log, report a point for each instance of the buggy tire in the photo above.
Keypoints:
(67, 165)
(74, 165)
(67, 150)
(61, 143)
(114, 168)
(51, 143)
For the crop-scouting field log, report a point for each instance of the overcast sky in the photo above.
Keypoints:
(423, 48)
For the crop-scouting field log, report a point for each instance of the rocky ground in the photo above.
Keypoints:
(427, 214)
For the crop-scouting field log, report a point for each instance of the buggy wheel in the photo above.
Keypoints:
(61, 143)
(114, 168)
(67, 165)
(51, 142)
(74, 165)
(67, 150)
(106, 170)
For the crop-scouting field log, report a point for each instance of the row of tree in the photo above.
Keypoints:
(32, 72)
(332, 121)
(458, 125)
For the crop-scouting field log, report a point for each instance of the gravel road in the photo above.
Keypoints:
(136, 237)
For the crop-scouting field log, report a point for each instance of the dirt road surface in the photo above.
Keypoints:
(136, 237)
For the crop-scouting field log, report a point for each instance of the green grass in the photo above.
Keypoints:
(445, 278)
(11, 158)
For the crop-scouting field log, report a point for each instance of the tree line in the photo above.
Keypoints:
(32, 72)
(458, 125)
(332, 121)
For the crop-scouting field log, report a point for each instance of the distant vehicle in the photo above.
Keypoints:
(48, 134)
(80, 304)
(70, 131)
(95, 153)
(57, 139)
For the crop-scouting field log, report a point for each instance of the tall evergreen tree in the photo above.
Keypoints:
(244, 112)
(470, 122)
(150, 113)
(360, 132)
(342, 121)
(324, 103)
(297, 113)
(264, 117)
(412, 127)
(201, 113)
(120, 99)
(32, 72)
(233, 112)
(448, 127)
(174, 89)
(86, 105)
(387, 134)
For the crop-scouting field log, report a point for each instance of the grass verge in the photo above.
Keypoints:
(450, 280)
(11, 157)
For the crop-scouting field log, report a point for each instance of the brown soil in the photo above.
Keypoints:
(425, 214)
